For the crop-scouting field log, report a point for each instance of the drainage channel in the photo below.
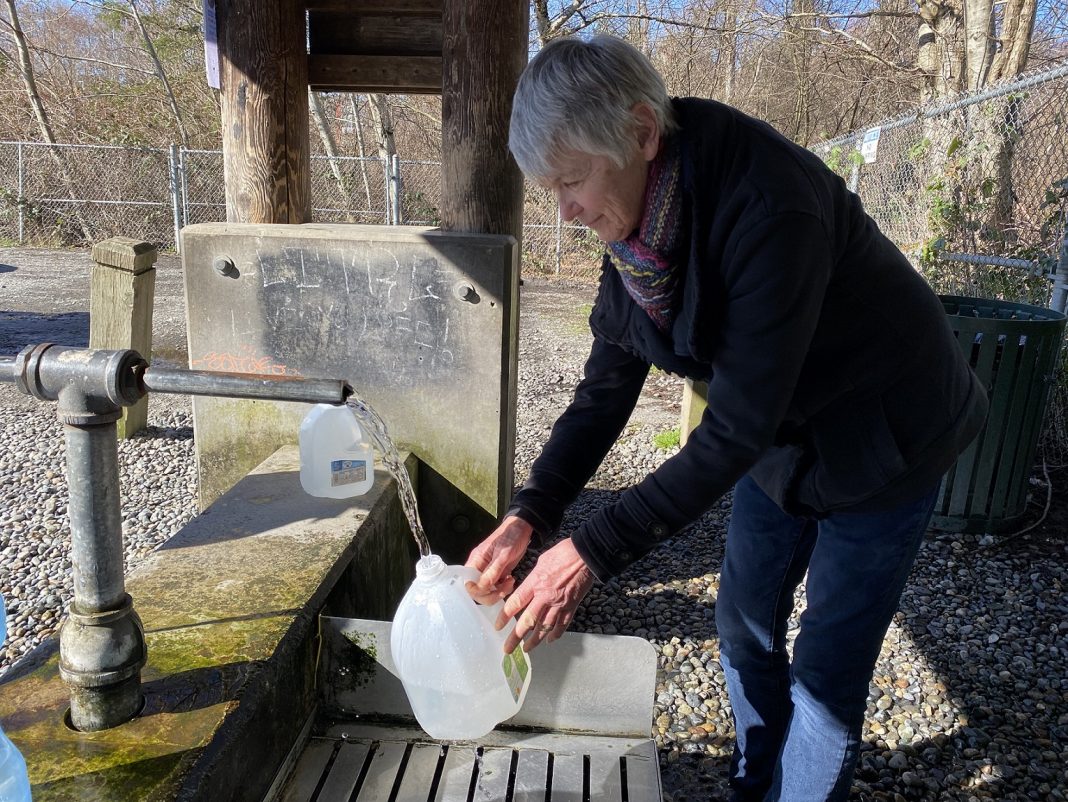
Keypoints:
(582, 735)
(341, 767)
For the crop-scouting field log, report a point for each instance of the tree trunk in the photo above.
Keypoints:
(26, 68)
(941, 53)
(978, 42)
(958, 51)
(326, 134)
(730, 49)
(387, 147)
(151, 50)
(383, 121)
(361, 151)
(1017, 26)
(800, 45)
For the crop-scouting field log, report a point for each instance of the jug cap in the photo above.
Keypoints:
(429, 567)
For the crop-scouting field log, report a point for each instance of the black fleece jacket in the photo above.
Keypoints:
(834, 378)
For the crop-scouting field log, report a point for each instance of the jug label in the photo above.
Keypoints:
(516, 668)
(347, 471)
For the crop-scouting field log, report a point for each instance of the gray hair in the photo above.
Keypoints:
(578, 95)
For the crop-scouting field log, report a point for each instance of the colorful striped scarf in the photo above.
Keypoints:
(647, 259)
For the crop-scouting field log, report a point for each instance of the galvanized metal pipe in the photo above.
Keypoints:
(246, 385)
(95, 516)
(102, 642)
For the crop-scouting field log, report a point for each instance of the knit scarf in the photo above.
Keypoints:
(647, 259)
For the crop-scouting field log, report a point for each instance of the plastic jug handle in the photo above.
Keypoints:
(468, 574)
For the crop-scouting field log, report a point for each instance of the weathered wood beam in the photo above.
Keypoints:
(391, 74)
(264, 74)
(399, 7)
(346, 34)
(483, 53)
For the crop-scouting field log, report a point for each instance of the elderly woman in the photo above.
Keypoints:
(837, 398)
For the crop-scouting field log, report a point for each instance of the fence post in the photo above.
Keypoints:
(184, 185)
(389, 200)
(121, 292)
(694, 403)
(559, 238)
(395, 188)
(172, 159)
(22, 198)
(1060, 281)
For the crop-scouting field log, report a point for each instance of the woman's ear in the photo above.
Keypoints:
(648, 130)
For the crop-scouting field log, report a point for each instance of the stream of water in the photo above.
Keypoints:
(376, 428)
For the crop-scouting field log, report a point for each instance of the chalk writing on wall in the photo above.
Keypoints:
(244, 362)
(390, 303)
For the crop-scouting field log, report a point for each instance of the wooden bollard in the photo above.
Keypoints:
(121, 294)
(694, 401)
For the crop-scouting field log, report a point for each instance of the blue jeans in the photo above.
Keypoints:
(798, 723)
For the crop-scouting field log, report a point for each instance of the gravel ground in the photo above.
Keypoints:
(970, 696)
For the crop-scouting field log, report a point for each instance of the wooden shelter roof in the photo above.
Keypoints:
(392, 46)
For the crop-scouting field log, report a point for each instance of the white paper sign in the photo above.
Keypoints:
(870, 145)
(211, 45)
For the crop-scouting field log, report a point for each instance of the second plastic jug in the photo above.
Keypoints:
(449, 657)
(336, 457)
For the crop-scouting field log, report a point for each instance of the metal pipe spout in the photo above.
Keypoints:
(102, 643)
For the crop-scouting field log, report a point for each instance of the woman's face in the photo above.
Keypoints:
(600, 195)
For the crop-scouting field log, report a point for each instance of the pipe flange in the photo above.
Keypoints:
(102, 617)
(27, 364)
(123, 370)
(100, 679)
(88, 418)
(102, 649)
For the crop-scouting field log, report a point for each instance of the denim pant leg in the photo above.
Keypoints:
(856, 574)
(766, 555)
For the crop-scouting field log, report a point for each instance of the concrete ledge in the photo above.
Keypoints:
(230, 606)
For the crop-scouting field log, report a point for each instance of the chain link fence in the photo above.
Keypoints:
(66, 194)
(975, 192)
(73, 195)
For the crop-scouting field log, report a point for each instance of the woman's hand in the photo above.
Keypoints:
(545, 602)
(496, 557)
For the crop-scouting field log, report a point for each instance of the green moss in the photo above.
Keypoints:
(667, 440)
(363, 659)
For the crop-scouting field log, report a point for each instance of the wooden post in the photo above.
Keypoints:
(263, 62)
(121, 292)
(694, 402)
(484, 49)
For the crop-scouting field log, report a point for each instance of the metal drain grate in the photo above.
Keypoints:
(581, 736)
(339, 769)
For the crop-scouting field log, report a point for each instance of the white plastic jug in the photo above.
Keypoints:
(14, 781)
(336, 457)
(449, 657)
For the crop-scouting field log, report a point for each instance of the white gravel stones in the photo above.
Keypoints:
(158, 483)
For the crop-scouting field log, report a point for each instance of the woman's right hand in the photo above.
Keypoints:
(496, 557)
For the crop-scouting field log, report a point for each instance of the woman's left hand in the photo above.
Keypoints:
(544, 604)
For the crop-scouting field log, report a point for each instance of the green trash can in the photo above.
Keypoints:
(1013, 348)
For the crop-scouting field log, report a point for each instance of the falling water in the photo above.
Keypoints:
(376, 428)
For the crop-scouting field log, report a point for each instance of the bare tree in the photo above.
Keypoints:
(26, 68)
(361, 152)
(161, 73)
(326, 135)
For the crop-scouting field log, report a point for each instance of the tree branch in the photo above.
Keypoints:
(68, 57)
